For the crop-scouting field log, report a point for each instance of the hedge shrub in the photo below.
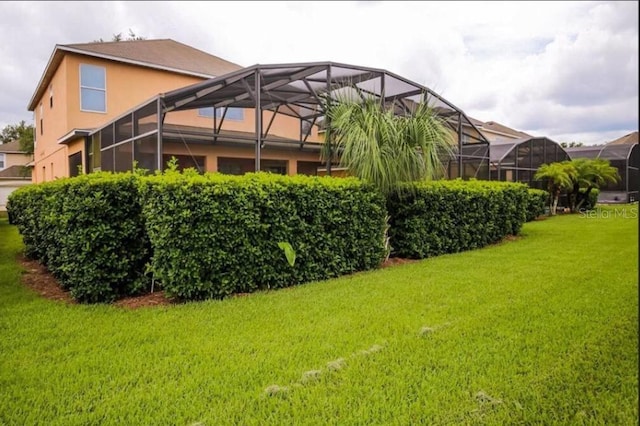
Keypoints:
(537, 203)
(87, 231)
(214, 235)
(433, 218)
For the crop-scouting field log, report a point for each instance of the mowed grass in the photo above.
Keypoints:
(540, 330)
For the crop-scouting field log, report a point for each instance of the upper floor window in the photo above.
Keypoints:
(93, 88)
(51, 96)
(2, 165)
(236, 114)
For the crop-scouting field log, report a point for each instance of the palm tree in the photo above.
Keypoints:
(559, 176)
(591, 173)
(378, 146)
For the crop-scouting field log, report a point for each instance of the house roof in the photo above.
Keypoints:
(16, 172)
(162, 54)
(629, 139)
(12, 147)
(493, 126)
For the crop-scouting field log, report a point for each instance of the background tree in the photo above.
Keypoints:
(571, 144)
(559, 176)
(386, 149)
(20, 132)
(119, 37)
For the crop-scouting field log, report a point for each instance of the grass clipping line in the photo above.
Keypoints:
(314, 375)
(335, 365)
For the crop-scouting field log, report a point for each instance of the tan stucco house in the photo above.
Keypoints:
(113, 105)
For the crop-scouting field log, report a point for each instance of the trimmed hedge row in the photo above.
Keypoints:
(87, 231)
(214, 235)
(433, 218)
(537, 203)
(103, 234)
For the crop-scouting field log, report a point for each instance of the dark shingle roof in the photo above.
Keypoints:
(11, 147)
(164, 53)
(16, 172)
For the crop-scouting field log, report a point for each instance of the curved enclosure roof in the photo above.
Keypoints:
(500, 150)
(300, 90)
(606, 152)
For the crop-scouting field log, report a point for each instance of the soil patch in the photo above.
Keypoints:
(39, 279)
(393, 261)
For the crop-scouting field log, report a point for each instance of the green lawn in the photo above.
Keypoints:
(541, 330)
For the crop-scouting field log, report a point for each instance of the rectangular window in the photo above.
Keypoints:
(236, 114)
(51, 96)
(2, 165)
(93, 88)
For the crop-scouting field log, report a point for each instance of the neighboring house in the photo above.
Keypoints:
(15, 170)
(108, 106)
(497, 132)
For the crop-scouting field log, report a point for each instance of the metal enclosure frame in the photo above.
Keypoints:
(297, 90)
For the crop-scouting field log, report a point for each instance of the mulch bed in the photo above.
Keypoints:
(37, 278)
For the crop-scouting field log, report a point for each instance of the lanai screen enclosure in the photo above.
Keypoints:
(294, 90)
(624, 157)
(518, 160)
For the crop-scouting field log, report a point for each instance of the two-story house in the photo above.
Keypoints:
(86, 85)
(114, 106)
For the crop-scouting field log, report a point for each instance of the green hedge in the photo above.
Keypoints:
(433, 218)
(87, 231)
(214, 235)
(537, 203)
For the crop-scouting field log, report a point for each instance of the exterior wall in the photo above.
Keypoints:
(11, 159)
(212, 154)
(127, 86)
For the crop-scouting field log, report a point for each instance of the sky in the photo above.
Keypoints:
(564, 70)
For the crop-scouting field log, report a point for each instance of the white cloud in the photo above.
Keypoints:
(567, 70)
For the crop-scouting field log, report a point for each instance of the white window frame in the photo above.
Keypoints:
(92, 88)
(3, 161)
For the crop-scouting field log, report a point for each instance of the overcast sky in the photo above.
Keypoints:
(565, 70)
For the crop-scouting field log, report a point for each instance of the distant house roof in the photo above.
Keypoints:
(629, 139)
(16, 172)
(11, 148)
(162, 54)
(501, 128)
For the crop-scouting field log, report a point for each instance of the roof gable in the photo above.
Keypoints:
(164, 54)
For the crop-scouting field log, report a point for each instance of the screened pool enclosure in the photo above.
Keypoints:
(267, 117)
(519, 159)
(624, 157)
